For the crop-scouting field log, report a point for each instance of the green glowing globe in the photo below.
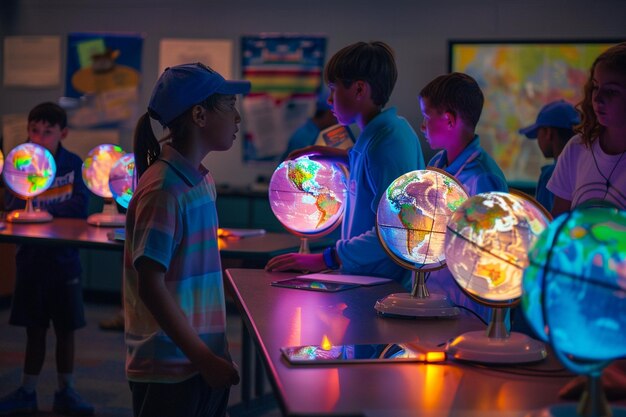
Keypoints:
(487, 242)
(308, 196)
(575, 285)
(412, 216)
(29, 170)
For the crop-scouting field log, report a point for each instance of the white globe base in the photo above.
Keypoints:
(571, 410)
(107, 220)
(28, 216)
(405, 305)
(477, 347)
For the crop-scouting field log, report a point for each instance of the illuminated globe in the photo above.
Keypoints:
(308, 196)
(413, 214)
(582, 257)
(97, 166)
(487, 242)
(29, 171)
(575, 288)
(121, 179)
(96, 170)
(411, 223)
(1, 161)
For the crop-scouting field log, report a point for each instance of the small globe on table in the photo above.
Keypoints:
(122, 179)
(411, 221)
(486, 245)
(575, 297)
(29, 171)
(96, 169)
(308, 197)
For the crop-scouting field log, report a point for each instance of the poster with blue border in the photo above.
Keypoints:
(286, 76)
(103, 74)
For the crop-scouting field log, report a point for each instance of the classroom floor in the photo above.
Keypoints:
(99, 366)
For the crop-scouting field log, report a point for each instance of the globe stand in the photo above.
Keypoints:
(304, 245)
(29, 214)
(496, 345)
(419, 303)
(593, 403)
(108, 217)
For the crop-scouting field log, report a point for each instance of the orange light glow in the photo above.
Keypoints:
(326, 345)
(435, 356)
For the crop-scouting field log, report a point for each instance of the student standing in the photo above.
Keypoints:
(48, 279)
(451, 105)
(553, 129)
(177, 355)
(361, 78)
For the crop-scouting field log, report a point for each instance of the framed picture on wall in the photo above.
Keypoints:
(518, 78)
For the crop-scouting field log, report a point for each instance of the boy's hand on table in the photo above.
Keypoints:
(310, 262)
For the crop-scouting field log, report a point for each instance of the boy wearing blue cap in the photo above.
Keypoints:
(177, 360)
(553, 128)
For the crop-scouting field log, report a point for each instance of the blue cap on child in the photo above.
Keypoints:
(183, 86)
(556, 114)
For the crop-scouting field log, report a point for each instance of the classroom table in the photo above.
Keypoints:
(278, 317)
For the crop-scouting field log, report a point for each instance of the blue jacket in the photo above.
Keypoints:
(386, 148)
(479, 173)
(66, 197)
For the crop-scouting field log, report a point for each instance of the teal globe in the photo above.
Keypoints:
(122, 179)
(487, 243)
(29, 170)
(308, 196)
(575, 284)
(412, 216)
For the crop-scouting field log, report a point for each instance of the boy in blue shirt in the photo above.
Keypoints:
(451, 105)
(48, 286)
(553, 129)
(361, 78)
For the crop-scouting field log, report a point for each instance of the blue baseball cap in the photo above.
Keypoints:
(183, 86)
(556, 114)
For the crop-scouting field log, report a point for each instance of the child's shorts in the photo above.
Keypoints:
(38, 300)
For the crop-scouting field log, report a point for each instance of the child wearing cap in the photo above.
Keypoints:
(361, 78)
(553, 128)
(177, 358)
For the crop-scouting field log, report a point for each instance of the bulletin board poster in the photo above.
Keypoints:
(517, 79)
(103, 74)
(286, 76)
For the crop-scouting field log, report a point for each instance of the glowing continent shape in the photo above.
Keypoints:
(121, 179)
(580, 263)
(487, 243)
(29, 170)
(412, 216)
(1, 161)
(308, 196)
(97, 166)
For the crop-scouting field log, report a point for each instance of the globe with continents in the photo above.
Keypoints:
(97, 167)
(308, 196)
(29, 170)
(121, 179)
(575, 284)
(487, 242)
(412, 216)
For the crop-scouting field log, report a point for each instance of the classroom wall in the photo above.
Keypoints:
(418, 30)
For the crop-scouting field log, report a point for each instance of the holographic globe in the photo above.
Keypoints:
(97, 166)
(30, 170)
(487, 243)
(308, 196)
(413, 214)
(121, 179)
(575, 284)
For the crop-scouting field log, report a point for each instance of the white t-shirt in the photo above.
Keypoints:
(581, 174)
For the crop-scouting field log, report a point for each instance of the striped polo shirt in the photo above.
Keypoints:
(172, 220)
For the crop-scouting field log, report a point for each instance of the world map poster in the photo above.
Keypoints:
(518, 79)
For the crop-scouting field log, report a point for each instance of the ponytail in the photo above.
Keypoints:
(146, 146)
